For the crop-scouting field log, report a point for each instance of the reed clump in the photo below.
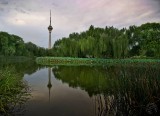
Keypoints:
(13, 91)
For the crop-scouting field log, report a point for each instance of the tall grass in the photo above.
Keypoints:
(127, 89)
(13, 92)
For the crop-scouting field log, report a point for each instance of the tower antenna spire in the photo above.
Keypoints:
(50, 17)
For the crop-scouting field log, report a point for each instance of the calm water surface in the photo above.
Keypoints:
(50, 96)
(129, 90)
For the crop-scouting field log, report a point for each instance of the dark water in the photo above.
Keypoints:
(50, 96)
(91, 90)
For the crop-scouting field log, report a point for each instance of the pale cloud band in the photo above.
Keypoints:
(30, 18)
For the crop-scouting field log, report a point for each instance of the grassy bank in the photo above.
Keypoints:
(13, 91)
(90, 61)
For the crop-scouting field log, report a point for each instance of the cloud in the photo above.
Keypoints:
(3, 2)
(1, 9)
(30, 18)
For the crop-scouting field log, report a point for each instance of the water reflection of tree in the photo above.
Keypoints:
(26, 67)
(129, 90)
(83, 77)
(13, 95)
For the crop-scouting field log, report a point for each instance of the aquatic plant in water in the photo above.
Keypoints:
(91, 61)
(13, 91)
(122, 89)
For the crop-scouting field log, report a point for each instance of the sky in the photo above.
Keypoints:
(29, 19)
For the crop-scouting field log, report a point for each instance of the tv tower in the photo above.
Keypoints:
(50, 30)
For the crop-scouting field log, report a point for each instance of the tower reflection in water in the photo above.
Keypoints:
(49, 81)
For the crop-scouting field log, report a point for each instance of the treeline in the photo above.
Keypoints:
(110, 42)
(13, 45)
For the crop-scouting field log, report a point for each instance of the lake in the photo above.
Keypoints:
(90, 90)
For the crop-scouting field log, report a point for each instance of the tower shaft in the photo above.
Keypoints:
(49, 44)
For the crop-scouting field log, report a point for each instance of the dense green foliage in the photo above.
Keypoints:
(110, 42)
(13, 45)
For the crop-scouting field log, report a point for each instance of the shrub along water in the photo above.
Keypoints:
(13, 92)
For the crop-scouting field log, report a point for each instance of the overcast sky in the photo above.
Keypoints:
(29, 19)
